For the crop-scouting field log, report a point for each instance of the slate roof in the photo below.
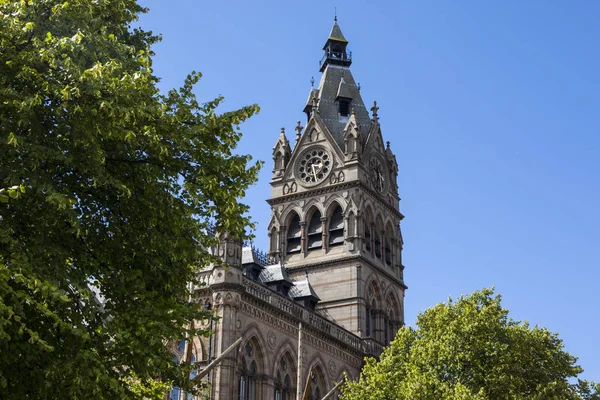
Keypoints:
(248, 256)
(303, 289)
(330, 84)
(274, 273)
(336, 34)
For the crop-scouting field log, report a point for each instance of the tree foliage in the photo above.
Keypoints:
(107, 188)
(470, 349)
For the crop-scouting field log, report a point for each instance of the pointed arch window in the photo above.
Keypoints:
(316, 385)
(336, 227)
(377, 244)
(247, 380)
(373, 318)
(283, 384)
(177, 393)
(388, 251)
(315, 232)
(294, 235)
(367, 237)
(370, 317)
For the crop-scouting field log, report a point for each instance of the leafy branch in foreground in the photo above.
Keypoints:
(107, 188)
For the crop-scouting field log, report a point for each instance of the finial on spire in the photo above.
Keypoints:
(312, 82)
(334, 14)
(282, 131)
(358, 86)
(298, 132)
(353, 111)
(374, 109)
(388, 144)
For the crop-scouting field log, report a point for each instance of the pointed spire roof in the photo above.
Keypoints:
(336, 34)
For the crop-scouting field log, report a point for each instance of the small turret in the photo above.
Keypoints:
(281, 155)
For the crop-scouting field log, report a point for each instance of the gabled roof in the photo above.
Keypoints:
(344, 90)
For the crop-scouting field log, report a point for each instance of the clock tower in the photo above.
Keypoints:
(335, 205)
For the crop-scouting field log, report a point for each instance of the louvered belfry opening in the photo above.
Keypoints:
(315, 232)
(336, 228)
(294, 236)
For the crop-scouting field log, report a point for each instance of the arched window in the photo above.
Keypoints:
(367, 237)
(373, 317)
(392, 310)
(370, 317)
(315, 232)
(317, 387)
(283, 383)
(377, 244)
(247, 380)
(336, 227)
(388, 251)
(176, 393)
(294, 235)
(368, 321)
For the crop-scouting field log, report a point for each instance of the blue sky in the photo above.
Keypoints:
(493, 111)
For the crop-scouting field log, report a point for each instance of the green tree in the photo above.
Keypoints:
(470, 349)
(107, 188)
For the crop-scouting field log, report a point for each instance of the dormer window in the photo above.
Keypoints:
(344, 107)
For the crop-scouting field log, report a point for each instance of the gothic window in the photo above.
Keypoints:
(388, 252)
(386, 331)
(377, 244)
(373, 318)
(294, 235)
(248, 371)
(176, 393)
(367, 237)
(392, 309)
(336, 227)
(283, 382)
(317, 387)
(315, 232)
(370, 317)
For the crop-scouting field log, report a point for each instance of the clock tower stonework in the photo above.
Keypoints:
(335, 205)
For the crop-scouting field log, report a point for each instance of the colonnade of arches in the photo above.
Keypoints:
(383, 314)
(314, 231)
(322, 229)
(381, 239)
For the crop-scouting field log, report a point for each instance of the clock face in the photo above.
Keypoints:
(313, 166)
(378, 175)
